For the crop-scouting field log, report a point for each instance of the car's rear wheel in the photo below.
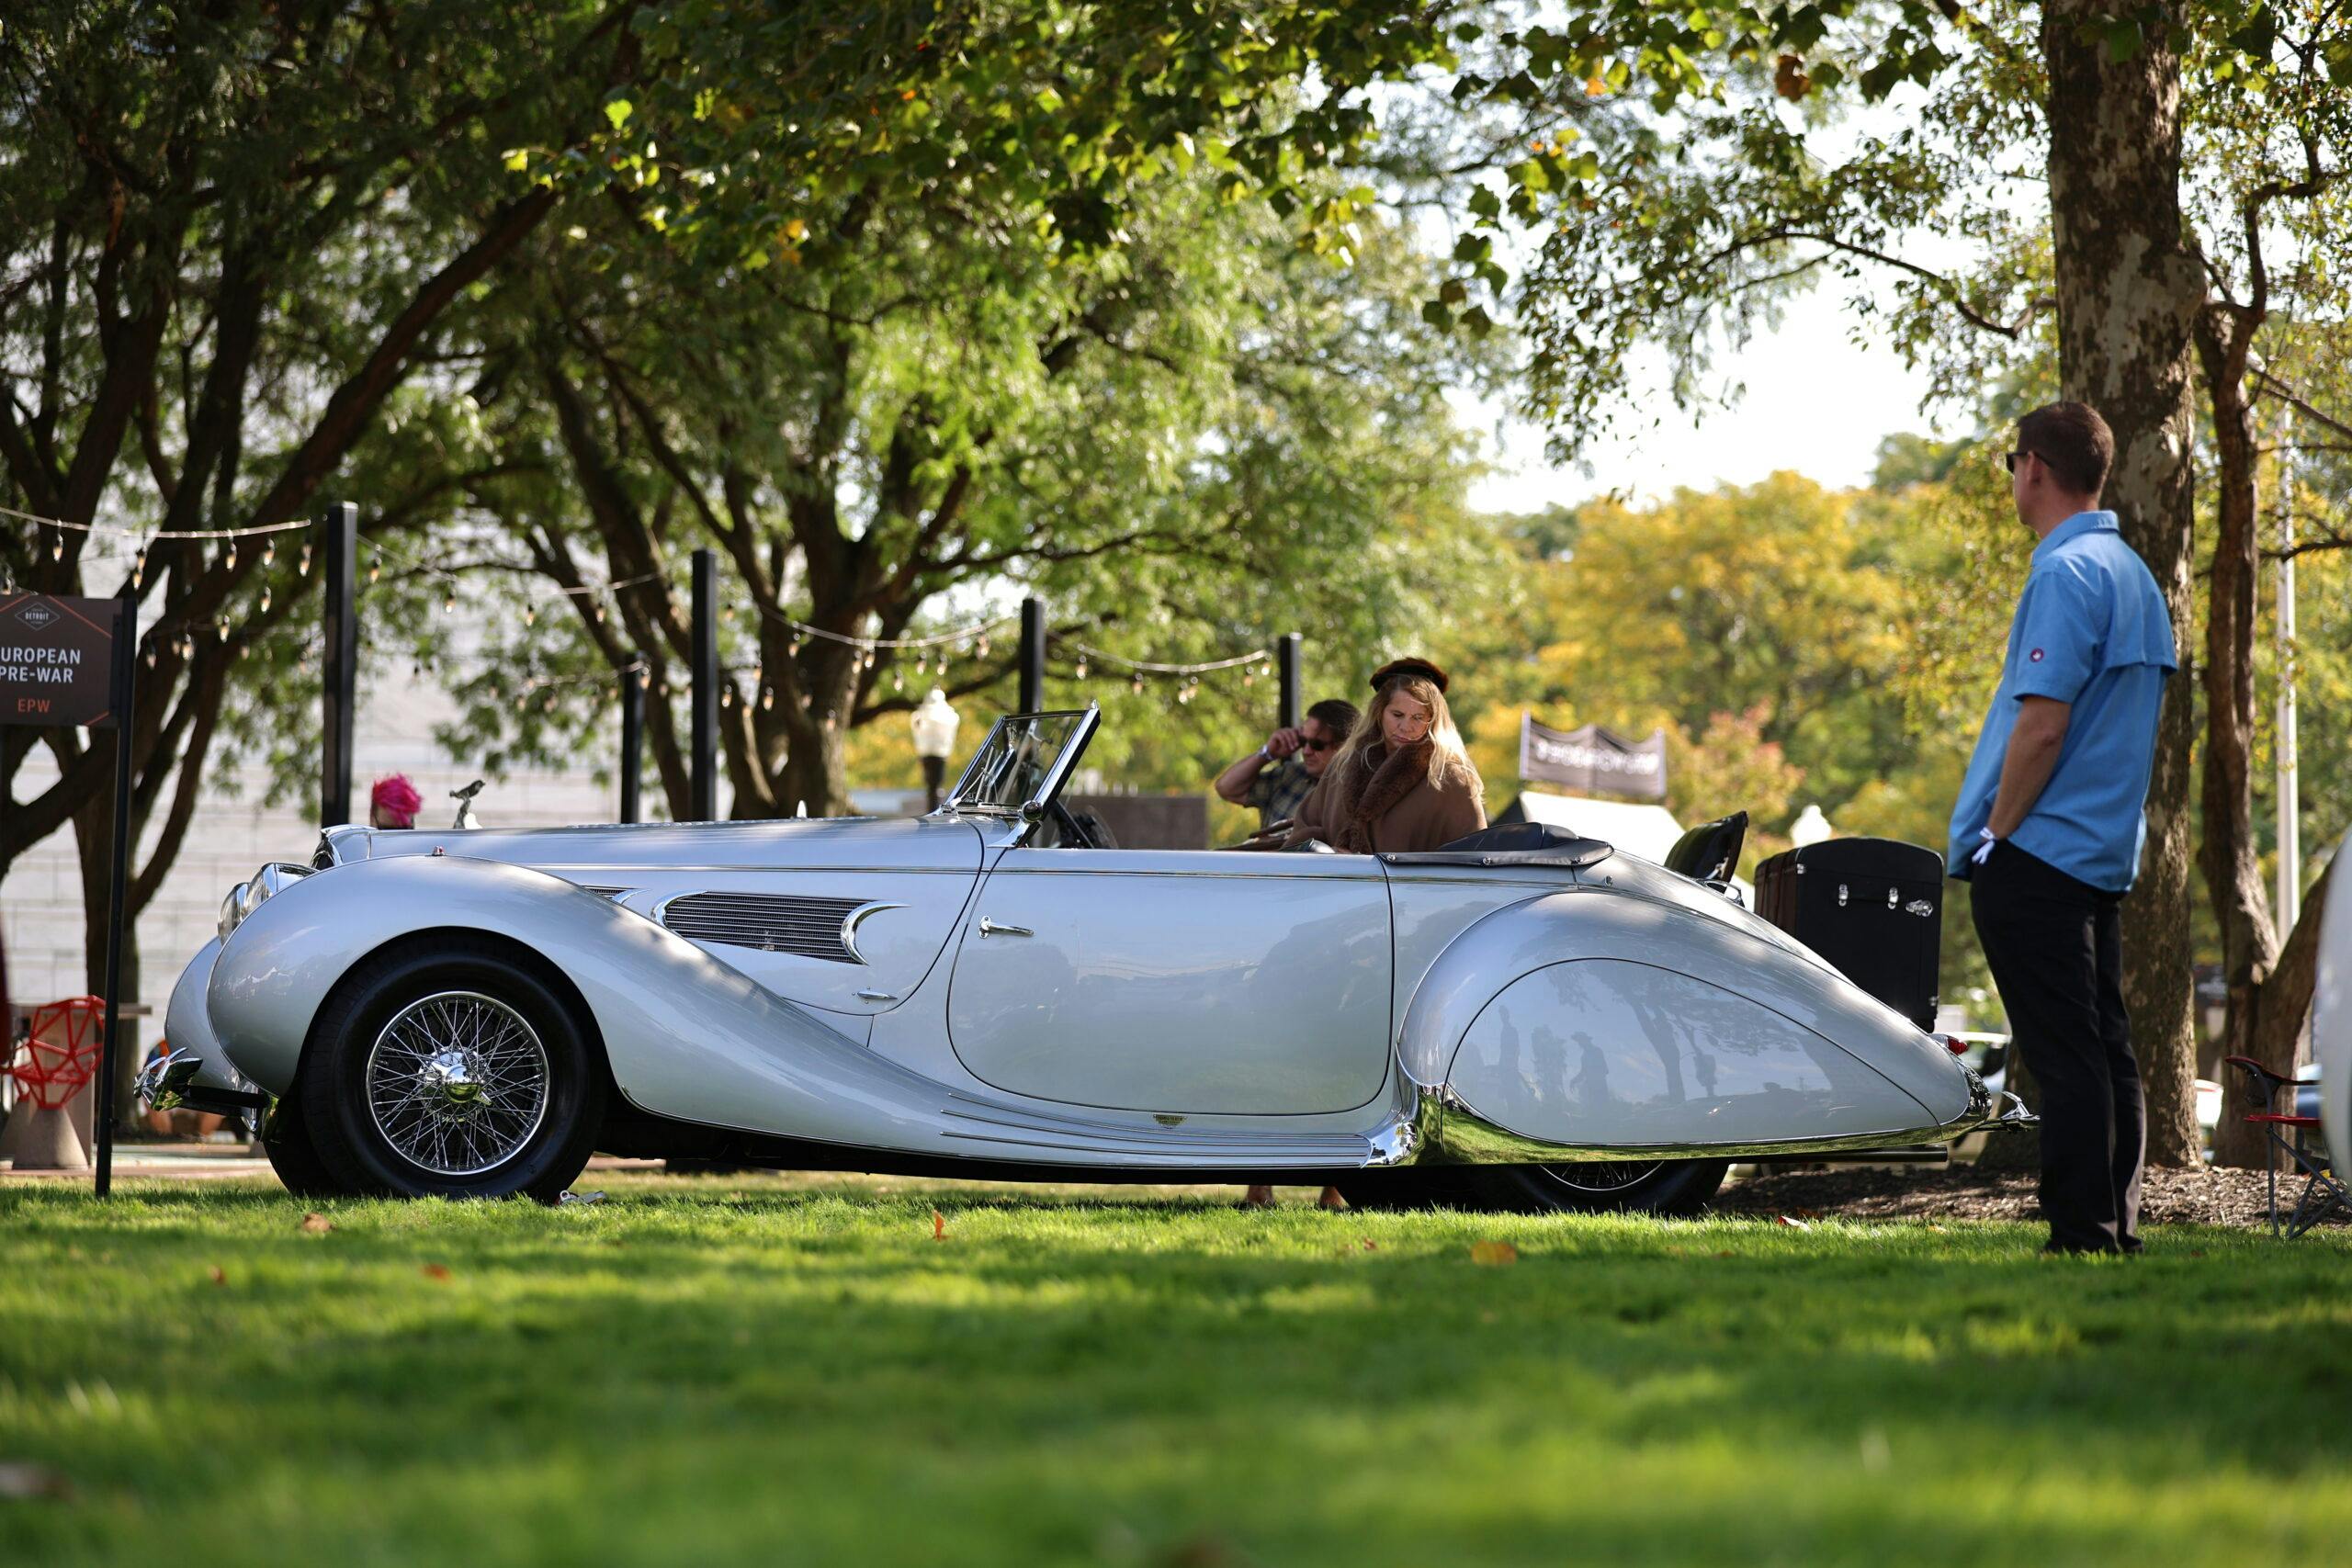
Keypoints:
(452, 1069)
(1649, 1187)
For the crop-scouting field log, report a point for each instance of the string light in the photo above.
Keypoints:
(1082, 669)
(767, 698)
(269, 553)
(306, 560)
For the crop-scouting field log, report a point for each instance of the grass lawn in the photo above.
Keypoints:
(777, 1371)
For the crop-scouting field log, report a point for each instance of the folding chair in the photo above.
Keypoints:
(2300, 1139)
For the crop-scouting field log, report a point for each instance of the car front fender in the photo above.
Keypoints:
(686, 1035)
(1596, 1019)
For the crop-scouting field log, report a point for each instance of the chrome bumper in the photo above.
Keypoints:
(168, 1083)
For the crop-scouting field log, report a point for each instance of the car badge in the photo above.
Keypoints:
(38, 616)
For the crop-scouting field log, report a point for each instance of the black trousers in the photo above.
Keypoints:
(2056, 947)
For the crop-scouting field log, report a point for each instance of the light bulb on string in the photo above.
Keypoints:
(449, 605)
(983, 648)
(265, 598)
(549, 703)
(305, 567)
(767, 698)
(531, 615)
(375, 571)
(269, 553)
(898, 680)
(1137, 686)
(57, 550)
(222, 628)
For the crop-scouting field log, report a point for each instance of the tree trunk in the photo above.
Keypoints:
(2228, 855)
(2279, 1017)
(94, 841)
(2127, 293)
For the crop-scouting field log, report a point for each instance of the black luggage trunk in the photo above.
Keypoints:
(1872, 908)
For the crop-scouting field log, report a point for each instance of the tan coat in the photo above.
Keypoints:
(1425, 818)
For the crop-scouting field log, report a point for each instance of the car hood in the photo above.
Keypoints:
(583, 853)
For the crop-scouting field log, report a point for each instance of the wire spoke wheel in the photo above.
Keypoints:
(1603, 1176)
(457, 1083)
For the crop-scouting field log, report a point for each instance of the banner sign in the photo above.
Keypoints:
(1592, 759)
(57, 659)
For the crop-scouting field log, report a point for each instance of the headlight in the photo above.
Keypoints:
(232, 910)
(246, 896)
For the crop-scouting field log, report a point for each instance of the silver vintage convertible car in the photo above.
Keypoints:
(1529, 1022)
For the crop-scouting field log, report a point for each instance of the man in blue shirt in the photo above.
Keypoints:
(2049, 823)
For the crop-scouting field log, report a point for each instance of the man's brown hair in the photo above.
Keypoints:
(2075, 442)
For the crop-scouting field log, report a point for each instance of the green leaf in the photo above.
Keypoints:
(2258, 36)
(617, 110)
(1486, 204)
(1438, 316)
(2124, 40)
(518, 159)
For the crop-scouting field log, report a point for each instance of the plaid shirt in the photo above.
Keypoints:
(1278, 789)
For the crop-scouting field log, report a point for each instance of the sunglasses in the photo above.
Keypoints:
(2010, 462)
(1317, 745)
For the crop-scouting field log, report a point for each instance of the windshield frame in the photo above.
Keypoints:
(1048, 788)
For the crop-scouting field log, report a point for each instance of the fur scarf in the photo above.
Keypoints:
(1374, 782)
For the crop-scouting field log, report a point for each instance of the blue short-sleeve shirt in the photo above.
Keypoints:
(2092, 631)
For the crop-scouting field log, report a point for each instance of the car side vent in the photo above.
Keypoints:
(601, 892)
(810, 927)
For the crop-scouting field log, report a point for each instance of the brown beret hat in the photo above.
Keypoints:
(1409, 666)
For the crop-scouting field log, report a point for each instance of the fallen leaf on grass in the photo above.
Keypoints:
(1796, 1224)
(436, 1271)
(316, 1224)
(938, 1226)
(21, 1483)
(1371, 1245)
(1494, 1254)
(1940, 1230)
(220, 1275)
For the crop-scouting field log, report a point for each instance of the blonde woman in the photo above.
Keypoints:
(1402, 782)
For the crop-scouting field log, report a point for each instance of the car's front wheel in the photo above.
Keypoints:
(452, 1069)
(293, 1155)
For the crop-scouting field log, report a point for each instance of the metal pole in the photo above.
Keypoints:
(705, 805)
(1033, 655)
(125, 657)
(1286, 660)
(339, 625)
(2291, 835)
(632, 739)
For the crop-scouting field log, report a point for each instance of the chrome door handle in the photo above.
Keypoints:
(878, 996)
(990, 927)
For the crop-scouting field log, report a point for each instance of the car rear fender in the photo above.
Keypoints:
(1590, 1016)
(686, 1035)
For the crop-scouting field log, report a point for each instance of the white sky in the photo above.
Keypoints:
(1815, 402)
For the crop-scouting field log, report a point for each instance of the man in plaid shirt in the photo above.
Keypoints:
(1279, 774)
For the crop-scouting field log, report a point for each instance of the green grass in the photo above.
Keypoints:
(770, 1372)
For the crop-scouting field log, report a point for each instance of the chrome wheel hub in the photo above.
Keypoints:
(457, 1083)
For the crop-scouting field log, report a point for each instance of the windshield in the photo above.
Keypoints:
(1019, 761)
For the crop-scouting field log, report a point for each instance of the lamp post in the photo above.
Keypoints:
(933, 722)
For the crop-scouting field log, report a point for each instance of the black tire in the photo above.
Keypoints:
(1678, 1187)
(452, 1069)
(293, 1155)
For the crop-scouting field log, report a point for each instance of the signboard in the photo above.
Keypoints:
(1592, 761)
(57, 659)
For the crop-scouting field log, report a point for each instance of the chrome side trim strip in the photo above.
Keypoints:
(1450, 1132)
(851, 922)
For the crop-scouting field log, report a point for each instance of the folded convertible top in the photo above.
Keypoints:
(1513, 843)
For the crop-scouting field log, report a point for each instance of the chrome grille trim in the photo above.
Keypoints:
(808, 926)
